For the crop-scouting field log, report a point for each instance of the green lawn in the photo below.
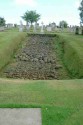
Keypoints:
(74, 39)
(71, 46)
(61, 101)
(9, 42)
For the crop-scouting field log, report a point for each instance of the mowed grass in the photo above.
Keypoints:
(76, 40)
(61, 101)
(72, 52)
(9, 42)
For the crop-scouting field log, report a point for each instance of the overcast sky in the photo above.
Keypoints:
(50, 10)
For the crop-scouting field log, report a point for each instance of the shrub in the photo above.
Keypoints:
(77, 30)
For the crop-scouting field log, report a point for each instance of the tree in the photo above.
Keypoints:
(63, 24)
(2, 21)
(81, 14)
(31, 17)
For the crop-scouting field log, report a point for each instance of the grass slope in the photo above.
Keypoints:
(61, 101)
(72, 52)
(9, 42)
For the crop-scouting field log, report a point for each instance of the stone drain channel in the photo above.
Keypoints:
(36, 59)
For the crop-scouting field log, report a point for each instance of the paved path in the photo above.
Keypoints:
(21, 116)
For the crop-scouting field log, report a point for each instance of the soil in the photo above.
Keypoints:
(37, 59)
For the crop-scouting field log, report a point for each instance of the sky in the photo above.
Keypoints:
(50, 10)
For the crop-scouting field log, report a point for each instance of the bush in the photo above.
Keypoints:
(82, 30)
(77, 30)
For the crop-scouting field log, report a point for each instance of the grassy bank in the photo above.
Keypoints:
(71, 52)
(9, 42)
(61, 101)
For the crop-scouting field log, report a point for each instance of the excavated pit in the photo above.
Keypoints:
(37, 59)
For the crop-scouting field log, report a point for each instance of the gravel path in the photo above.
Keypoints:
(36, 60)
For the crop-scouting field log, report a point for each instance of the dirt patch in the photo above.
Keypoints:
(37, 59)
